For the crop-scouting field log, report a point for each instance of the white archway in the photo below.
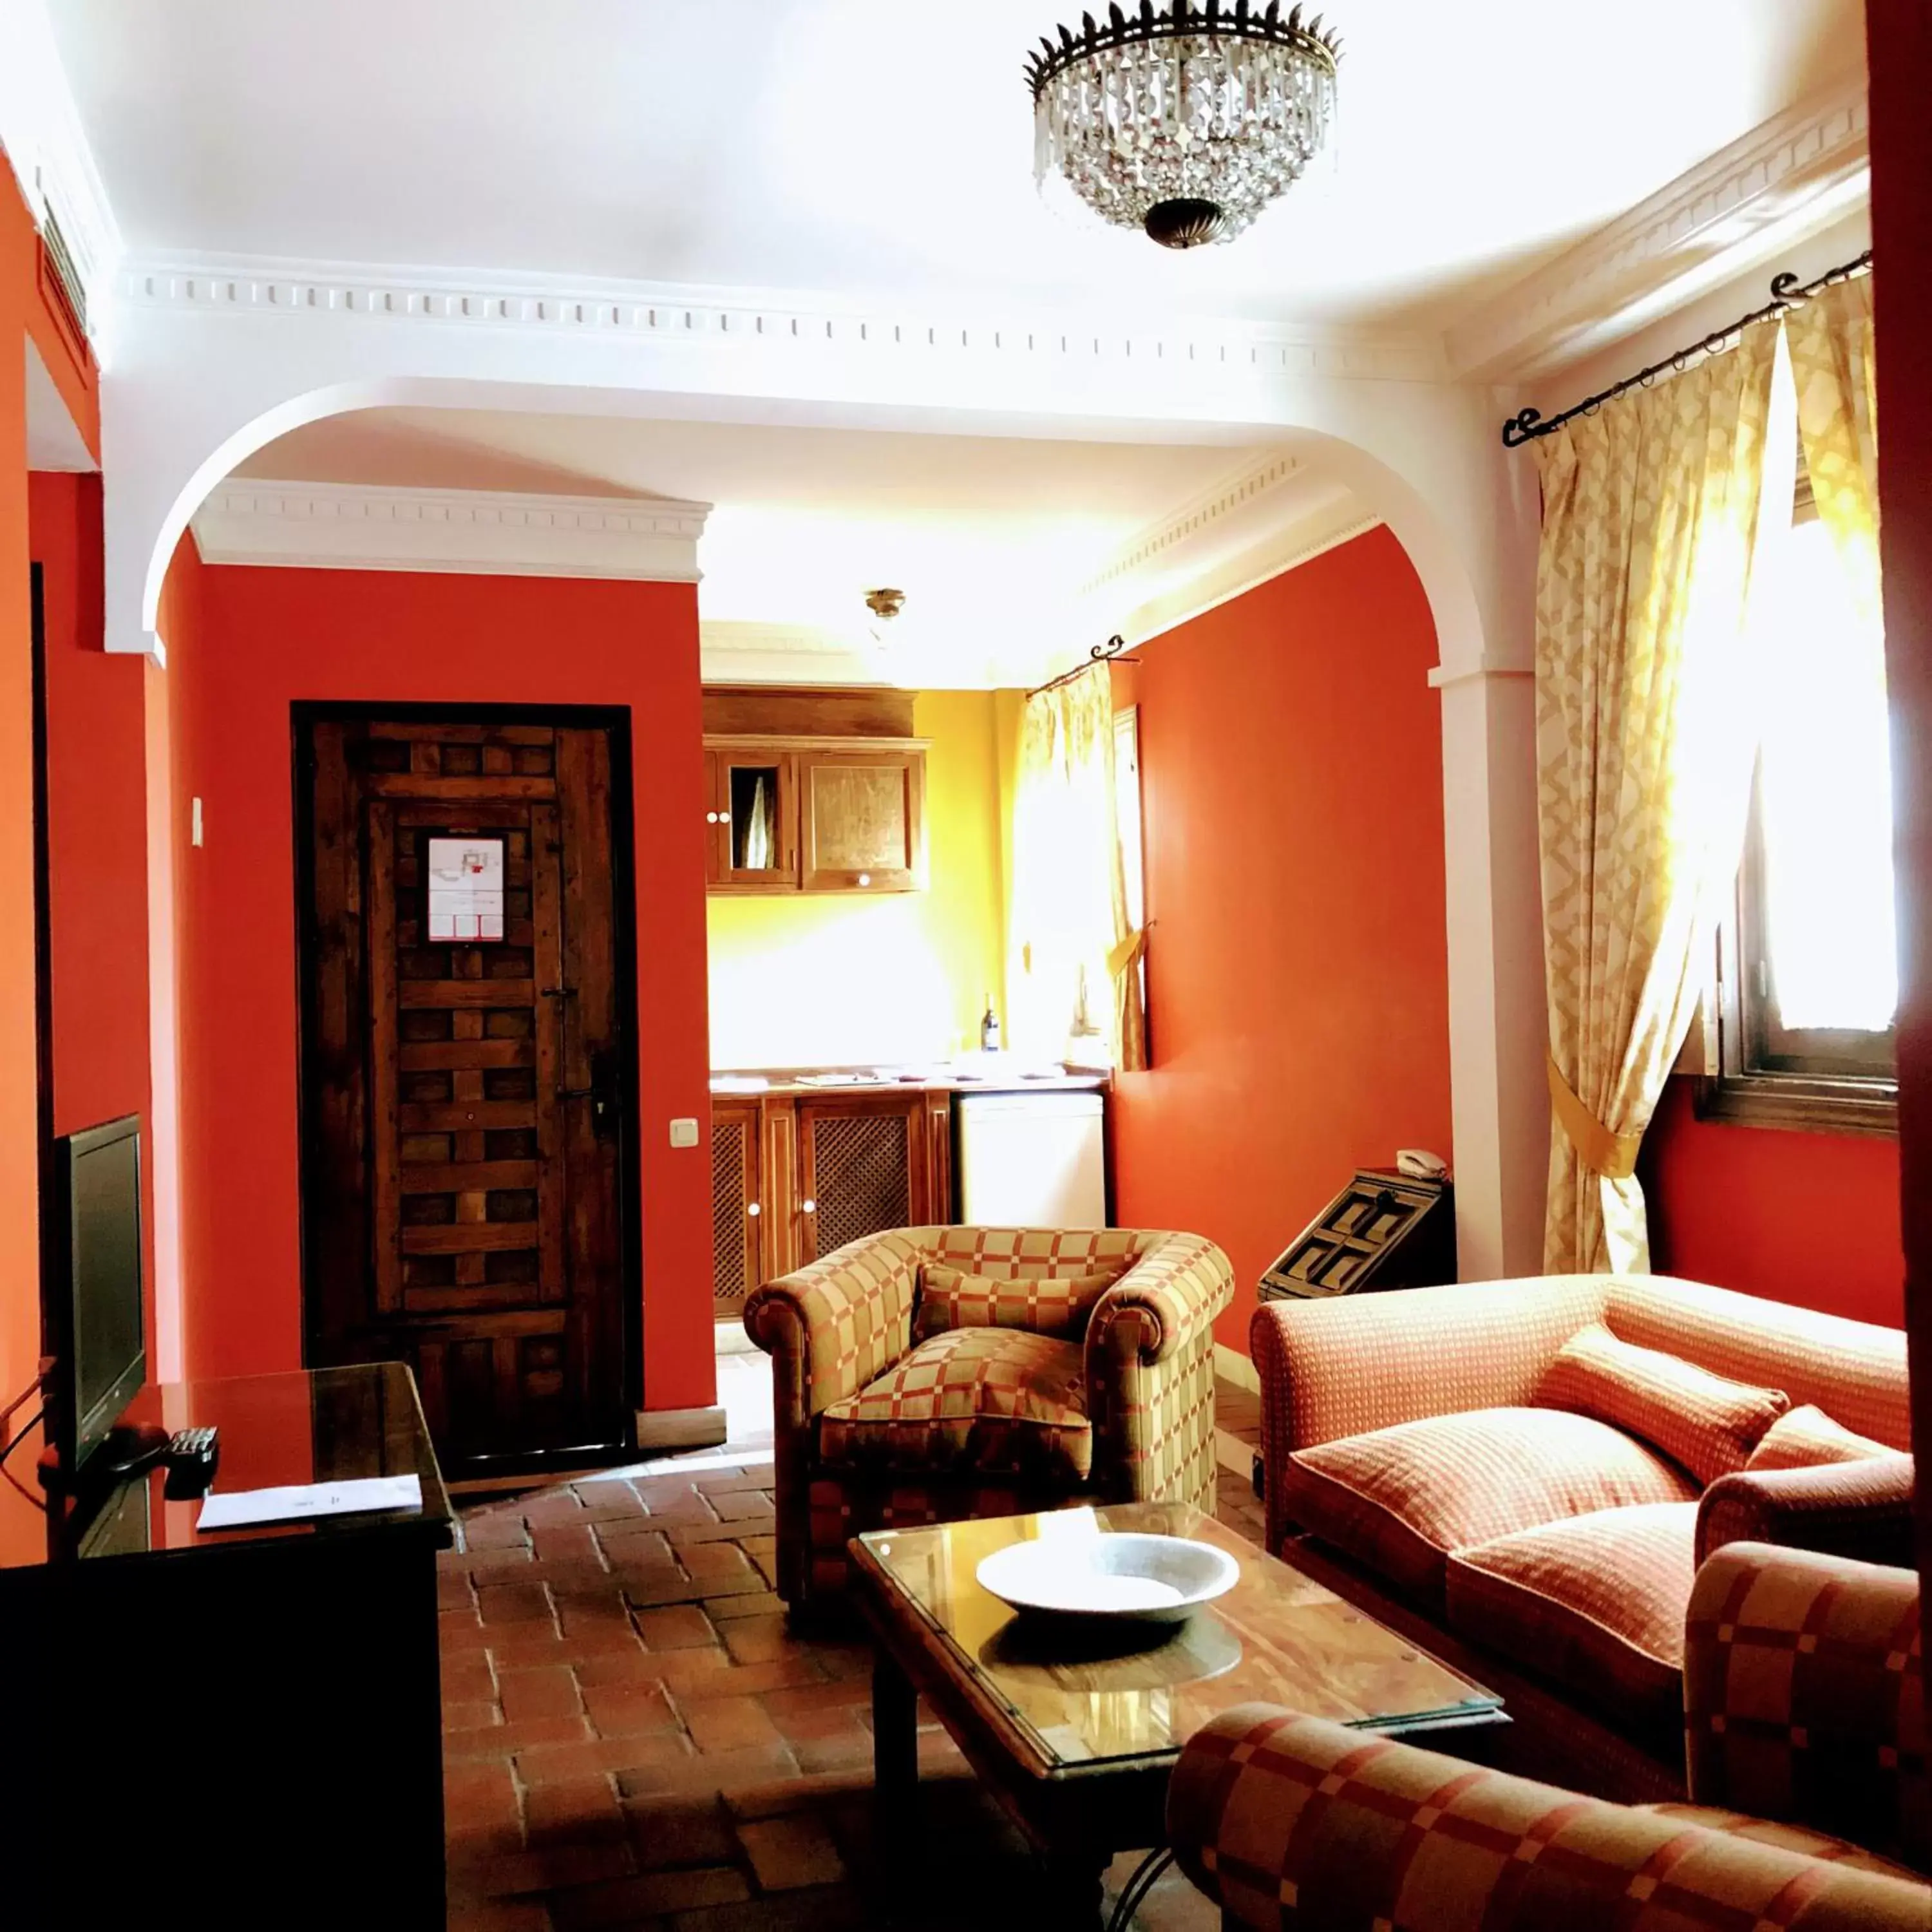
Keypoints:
(204, 381)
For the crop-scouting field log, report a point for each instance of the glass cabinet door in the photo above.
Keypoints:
(757, 836)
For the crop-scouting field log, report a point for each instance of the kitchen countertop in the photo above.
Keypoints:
(789, 1081)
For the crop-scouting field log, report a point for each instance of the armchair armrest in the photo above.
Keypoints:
(1804, 1695)
(1148, 1364)
(1341, 1367)
(833, 1325)
(1282, 1819)
(1860, 1510)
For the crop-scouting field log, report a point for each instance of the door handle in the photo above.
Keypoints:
(602, 1094)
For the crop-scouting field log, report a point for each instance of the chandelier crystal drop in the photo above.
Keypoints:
(1186, 122)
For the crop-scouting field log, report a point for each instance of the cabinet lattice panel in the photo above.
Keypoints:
(861, 1175)
(728, 1165)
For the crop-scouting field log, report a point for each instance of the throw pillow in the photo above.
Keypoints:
(1808, 1438)
(950, 1298)
(1707, 1423)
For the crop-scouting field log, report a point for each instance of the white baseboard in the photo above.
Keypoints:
(680, 1428)
(1232, 1366)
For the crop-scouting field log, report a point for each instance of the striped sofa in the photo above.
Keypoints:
(927, 1375)
(1537, 1467)
(1810, 1800)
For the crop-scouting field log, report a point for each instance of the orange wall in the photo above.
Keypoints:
(245, 643)
(96, 832)
(1291, 779)
(1811, 1218)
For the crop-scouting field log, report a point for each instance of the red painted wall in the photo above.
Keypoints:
(1811, 1218)
(243, 644)
(97, 831)
(1298, 1008)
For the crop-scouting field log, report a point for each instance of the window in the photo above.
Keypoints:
(1808, 967)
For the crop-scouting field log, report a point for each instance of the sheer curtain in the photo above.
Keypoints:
(1654, 507)
(1072, 988)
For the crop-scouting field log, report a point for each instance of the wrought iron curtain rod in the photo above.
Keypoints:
(1107, 653)
(1787, 292)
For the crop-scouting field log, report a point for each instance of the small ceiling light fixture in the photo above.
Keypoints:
(885, 603)
(1187, 122)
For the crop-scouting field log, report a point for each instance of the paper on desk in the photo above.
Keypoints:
(297, 1501)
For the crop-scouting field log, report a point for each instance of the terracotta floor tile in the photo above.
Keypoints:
(573, 1810)
(759, 1640)
(504, 1740)
(762, 1604)
(668, 1831)
(788, 1852)
(467, 1679)
(684, 1628)
(753, 1476)
(685, 1673)
(470, 1717)
(740, 1505)
(626, 1710)
(513, 1603)
(729, 1723)
(539, 1690)
(551, 1868)
(621, 1666)
(552, 1763)
(712, 1772)
(626, 1901)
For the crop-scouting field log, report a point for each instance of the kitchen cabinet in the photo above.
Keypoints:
(795, 1176)
(815, 815)
(751, 818)
(864, 821)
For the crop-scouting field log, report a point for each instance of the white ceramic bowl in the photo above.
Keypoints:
(1155, 1579)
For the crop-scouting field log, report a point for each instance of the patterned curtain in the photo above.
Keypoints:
(1833, 365)
(1644, 752)
(1071, 975)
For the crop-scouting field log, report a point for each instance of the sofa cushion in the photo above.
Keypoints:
(986, 1401)
(1399, 1499)
(1807, 1438)
(1787, 1838)
(1707, 1423)
(1597, 1602)
(948, 1297)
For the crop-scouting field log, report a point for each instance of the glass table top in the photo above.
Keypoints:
(1083, 1695)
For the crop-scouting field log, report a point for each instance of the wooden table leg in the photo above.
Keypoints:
(895, 1733)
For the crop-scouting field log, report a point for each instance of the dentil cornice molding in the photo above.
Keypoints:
(1789, 178)
(354, 526)
(400, 293)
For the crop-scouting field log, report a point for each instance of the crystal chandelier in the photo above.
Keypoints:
(1188, 122)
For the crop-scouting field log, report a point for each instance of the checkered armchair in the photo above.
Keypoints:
(1811, 1807)
(927, 1375)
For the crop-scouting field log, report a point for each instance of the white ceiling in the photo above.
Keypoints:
(991, 537)
(884, 147)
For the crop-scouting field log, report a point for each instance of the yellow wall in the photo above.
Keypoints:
(848, 980)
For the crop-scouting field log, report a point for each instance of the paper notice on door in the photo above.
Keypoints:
(296, 1502)
(466, 888)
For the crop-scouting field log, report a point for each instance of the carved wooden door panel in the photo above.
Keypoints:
(466, 1076)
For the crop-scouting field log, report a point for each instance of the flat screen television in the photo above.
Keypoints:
(94, 1290)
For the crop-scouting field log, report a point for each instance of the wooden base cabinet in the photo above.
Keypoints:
(792, 1178)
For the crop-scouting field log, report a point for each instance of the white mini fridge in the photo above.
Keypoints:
(1032, 1160)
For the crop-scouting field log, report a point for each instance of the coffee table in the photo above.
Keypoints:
(1075, 1728)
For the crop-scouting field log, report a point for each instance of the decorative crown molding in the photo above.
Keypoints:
(1787, 178)
(397, 292)
(41, 131)
(1275, 515)
(354, 526)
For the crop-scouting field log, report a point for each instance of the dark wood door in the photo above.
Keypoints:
(466, 1074)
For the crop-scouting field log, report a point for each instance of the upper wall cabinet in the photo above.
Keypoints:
(813, 791)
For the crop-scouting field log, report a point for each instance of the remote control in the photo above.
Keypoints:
(192, 1454)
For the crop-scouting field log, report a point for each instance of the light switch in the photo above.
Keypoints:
(194, 822)
(684, 1133)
